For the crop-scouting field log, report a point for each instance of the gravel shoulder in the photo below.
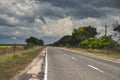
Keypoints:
(34, 71)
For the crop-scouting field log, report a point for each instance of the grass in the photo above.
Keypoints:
(5, 47)
(11, 64)
(21, 47)
(109, 54)
(9, 47)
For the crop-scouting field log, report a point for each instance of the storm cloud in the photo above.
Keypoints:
(52, 19)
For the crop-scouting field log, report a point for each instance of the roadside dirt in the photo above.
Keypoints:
(34, 71)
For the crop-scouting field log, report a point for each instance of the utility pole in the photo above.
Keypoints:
(14, 44)
(106, 29)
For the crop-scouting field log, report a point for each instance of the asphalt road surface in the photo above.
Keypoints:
(67, 65)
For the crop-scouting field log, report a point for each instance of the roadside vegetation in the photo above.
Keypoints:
(15, 61)
(11, 64)
(10, 49)
(87, 38)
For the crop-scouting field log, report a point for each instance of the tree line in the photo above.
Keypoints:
(32, 41)
(85, 37)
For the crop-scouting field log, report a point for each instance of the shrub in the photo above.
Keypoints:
(99, 43)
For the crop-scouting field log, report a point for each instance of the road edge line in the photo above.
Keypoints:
(46, 66)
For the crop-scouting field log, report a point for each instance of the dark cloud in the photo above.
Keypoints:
(4, 36)
(6, 23)
(107, 3)
(85, 12)
(24, 18)
(66, 3)
(76, 8)
(43, 20)
(79, 3)
(60, 8)
(7, 39)
(61, 3)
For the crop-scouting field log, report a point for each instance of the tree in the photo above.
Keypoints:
(32, 41)
(78, 35)
(83, 33)
(117, 29)
(64, 41)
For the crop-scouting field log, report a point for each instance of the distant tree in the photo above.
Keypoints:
(83, 33)
(32, 41)
(117, 29)
(64, 41)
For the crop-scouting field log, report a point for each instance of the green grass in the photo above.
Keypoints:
(11, 64)
(9, 47)
(5, 47)
(110, 54)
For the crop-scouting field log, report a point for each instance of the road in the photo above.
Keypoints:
(67, 65)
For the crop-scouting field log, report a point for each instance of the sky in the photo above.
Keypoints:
(51, 19)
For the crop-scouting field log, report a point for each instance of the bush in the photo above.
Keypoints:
(90, 43)
(103, 42)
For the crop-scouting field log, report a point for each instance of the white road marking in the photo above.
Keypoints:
(46, 66)
(96, 68)
(74, 58)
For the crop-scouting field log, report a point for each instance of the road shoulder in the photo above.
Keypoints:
(92, 55)
(34, 71)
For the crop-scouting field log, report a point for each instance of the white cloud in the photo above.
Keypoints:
(87, 21)
(116, 18)
(58, 27)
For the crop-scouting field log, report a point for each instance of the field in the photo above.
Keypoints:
(9, 49)
(11, 64)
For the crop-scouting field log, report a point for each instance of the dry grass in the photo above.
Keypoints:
(108, 54)
(11, 64)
